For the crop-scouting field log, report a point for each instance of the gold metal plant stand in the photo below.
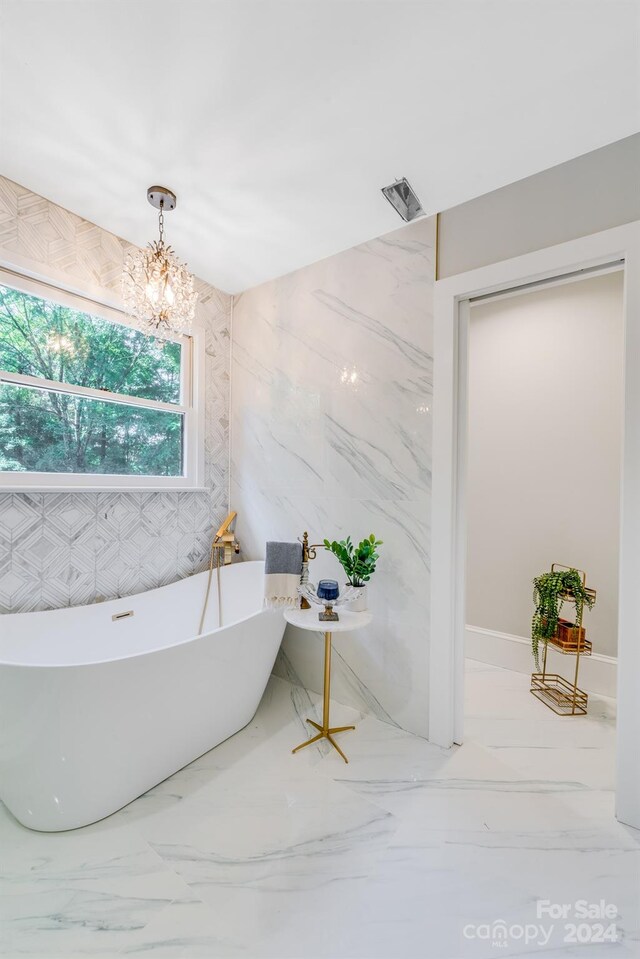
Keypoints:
(556, 692)
(325, 731)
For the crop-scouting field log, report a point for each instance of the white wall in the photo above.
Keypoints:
(313, 450)
(590, 193)
(545, 434)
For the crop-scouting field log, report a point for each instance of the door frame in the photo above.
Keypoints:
(451, 317)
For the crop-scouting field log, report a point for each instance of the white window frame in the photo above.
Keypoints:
(191, 404)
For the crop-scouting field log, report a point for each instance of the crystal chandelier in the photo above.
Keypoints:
(157, 287)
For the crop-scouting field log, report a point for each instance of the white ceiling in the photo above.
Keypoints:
(277, 122)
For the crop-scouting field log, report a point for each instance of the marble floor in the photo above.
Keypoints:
(408, 852)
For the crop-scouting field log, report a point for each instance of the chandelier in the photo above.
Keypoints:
(157, 287)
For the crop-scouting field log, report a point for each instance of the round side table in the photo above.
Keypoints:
(308, 619)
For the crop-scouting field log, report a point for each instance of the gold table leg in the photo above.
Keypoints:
(325, 731)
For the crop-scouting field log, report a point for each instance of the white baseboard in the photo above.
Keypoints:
(597, 672)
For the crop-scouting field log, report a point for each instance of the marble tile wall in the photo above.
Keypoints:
(331, 432)
(61, 549)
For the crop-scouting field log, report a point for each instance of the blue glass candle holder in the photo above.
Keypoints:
(328, 590)
(327, 593)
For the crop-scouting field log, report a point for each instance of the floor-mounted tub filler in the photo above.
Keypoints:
(99, 703)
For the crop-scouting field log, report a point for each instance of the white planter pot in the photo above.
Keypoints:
(359, 602)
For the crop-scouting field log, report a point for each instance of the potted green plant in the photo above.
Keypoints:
(358, 562)
(550, 590)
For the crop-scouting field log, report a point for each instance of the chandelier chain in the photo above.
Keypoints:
(161, 221)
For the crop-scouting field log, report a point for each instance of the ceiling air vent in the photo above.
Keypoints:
(403, 199)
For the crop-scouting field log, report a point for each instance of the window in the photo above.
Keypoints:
(87, 400)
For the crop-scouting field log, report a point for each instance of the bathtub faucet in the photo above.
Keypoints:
(223, 547)
(225, 539)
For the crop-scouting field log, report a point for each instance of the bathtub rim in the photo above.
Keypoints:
(125, 599)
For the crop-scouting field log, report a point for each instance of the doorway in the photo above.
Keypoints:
(588, 255)
(544, 453)
(543, 468)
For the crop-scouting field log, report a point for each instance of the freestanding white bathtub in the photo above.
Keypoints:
(95, 710)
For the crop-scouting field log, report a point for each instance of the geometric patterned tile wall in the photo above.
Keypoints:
(70, 548)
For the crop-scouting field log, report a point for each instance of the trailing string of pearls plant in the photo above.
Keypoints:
(157, 288)
(549, 591)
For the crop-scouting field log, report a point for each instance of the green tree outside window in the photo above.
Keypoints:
(48, 431)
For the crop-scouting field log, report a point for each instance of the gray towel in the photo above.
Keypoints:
(282, 570)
